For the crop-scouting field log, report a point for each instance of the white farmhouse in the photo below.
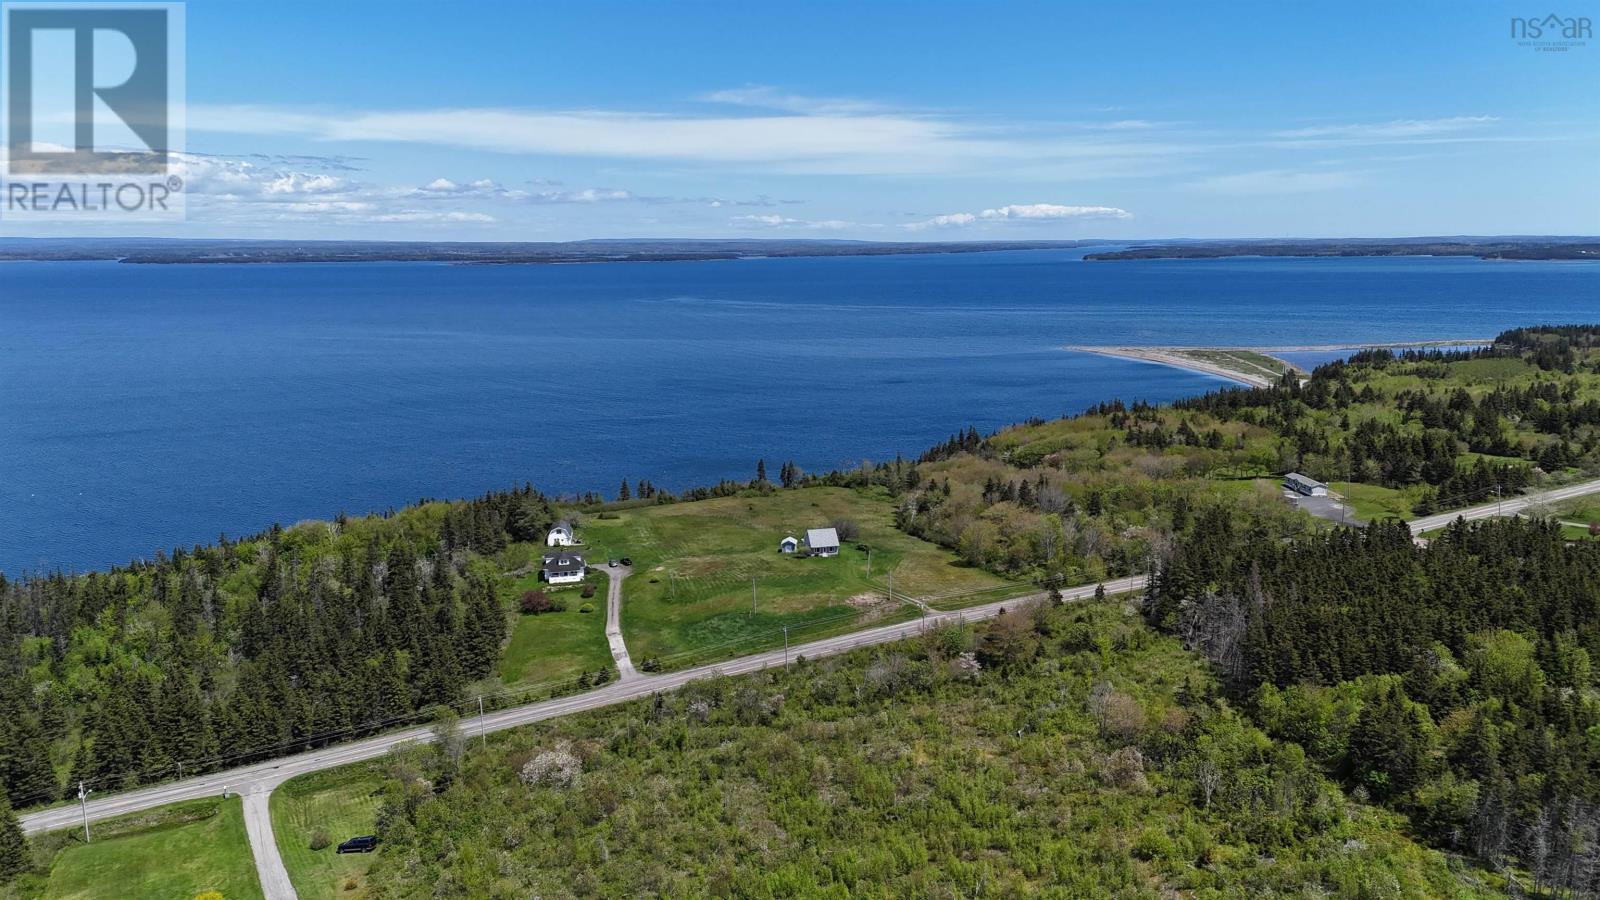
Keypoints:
(561, 534)
(563, 568)
(822, 541)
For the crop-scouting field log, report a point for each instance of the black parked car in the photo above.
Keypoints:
(364, 844)
(627, 560)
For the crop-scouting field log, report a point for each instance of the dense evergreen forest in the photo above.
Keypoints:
(240, 650)
(1453, 682)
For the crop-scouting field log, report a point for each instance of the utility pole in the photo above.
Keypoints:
(83, 804)
(869, 561)
(752, 598)
(483, 726)
(786, 645)
(1497, 501)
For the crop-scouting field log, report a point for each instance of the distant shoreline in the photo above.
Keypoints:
(136, 251)
(1575, 249)
(1251, 366)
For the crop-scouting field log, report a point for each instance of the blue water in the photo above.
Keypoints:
(146, 407)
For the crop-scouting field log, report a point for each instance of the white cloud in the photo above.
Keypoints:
(587, 195)
(777, 221)
(1396, 128)
(615, 135)
(1278, 181)
(1055, 211)
(1021, 212)
(944, 221)
(765, 97)
(253, 190)
(781, 134)
(425, 216)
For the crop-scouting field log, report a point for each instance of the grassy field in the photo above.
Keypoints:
(694, 564)
(170, 853)
(1247, 361)
(556, 645)
(1372, 503)
(1578, 509)
(341, 803)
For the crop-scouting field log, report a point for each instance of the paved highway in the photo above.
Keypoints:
(1509, 506)
(275, 771)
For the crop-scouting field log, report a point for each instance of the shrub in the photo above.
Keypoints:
(650, 664)
(557, 768)
(536, 602)
(588, 591)
(320, 840)
(1153, 844)
(208, 895)
(586, 608)
(966, 667)
(1125, 769)
(847, 528)
(1119, 716)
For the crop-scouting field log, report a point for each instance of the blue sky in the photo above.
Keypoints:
(889, 121)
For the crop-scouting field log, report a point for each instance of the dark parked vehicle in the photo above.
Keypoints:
(364, 844)
(627, 560)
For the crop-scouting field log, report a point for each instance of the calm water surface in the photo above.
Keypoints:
(146, 407)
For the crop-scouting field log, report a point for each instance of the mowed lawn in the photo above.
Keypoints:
(342, 803)
(694, 564)
(556, 645)
(175, 851)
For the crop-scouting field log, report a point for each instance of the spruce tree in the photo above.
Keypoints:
(14, 855)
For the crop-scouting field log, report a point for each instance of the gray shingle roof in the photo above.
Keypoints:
(817, 538)
(561, 563)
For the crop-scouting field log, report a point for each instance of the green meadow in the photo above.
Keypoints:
(708, 579)
(171, 853)
(336, 805)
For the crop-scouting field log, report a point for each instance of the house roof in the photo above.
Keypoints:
(562, 524)
(789, 539)
(1297, 478)
(562, 562)
(822, 537)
